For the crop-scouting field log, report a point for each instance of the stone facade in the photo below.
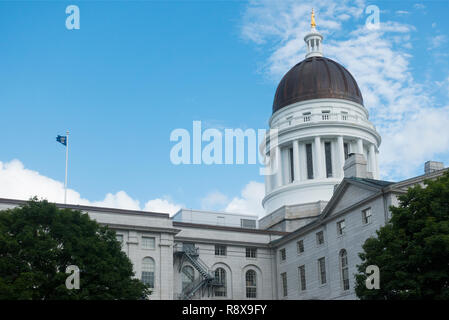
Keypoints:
(274, 250)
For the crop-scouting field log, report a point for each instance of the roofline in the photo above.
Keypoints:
(92, 208)
(225, 228)
(414, 180)
(217, 212)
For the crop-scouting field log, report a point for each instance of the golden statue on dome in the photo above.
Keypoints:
(313, 23)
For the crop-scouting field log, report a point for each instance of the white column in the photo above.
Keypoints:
(341, 155)
(278, 166)
(267, 180)
(372, 159)
(359, 146)
(302, 162)
(318, 159)
(377, 165)
(295, 163)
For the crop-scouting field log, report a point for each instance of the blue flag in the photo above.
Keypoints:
(62, 139)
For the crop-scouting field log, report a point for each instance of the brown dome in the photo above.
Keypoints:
(316, 78)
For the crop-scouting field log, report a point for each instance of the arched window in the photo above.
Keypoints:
(344, 269)
(251, 284)
(148, 271)
(220, 277)
(187, 276)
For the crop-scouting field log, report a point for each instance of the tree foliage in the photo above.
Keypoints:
(37, 243)
(412, 250)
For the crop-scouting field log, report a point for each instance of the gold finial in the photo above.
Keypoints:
(313, 24)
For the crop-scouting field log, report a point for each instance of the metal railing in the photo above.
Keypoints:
(207, 278)
(308, 119)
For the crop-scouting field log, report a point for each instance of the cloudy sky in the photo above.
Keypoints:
(136, 71)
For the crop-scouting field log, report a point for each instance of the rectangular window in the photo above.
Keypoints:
(309, 161)
(148, 242)
(119, 238)
(344, 270)
(220, 221)
(328, 155)
(346, 147)
(300, 246)
(188, 246)
(283, 254)
(248, 223)
(292, 171)
(344, 115)
(251, 252)
(220, 250)
(284, 284)
(322, 270)
(306, 116)
(148, 278)
(320, 238)
(325, 115)
(302, 277)
(341, 227)
(366, 216)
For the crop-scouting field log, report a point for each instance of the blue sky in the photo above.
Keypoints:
(137, 70)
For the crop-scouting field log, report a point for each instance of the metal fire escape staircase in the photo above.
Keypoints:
(205, 282)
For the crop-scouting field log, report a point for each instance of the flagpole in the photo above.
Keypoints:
(66, 164)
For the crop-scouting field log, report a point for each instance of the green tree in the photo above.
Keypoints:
(37, 243)
(412, 250)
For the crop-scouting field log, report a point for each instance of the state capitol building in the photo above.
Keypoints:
(322, 204)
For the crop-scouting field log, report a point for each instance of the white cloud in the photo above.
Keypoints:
(437, 41)
(17, 182)
(250, 200)
(379, 60)
(419, 6)
(162, 205)
(214, 200)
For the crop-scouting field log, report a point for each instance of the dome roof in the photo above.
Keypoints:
(316, 78)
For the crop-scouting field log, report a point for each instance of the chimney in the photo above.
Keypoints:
(356, 166)
(432, 166)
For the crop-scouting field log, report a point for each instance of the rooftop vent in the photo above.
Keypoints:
(432, 166)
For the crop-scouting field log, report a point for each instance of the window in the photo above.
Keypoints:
(283, 254)
(322, 270)
(302, 277)
(346, 149)
(188, 247)
(220, 277)
(341, 227)
(148, 271)
(300, 246)
(119, 238)
(366, 216)
(187, 276)
(325, 115)
(306, 116)
(328, 155)
(344, 269)
(220, 250)
(320, 238)
(344, 115)
(251, 284)
(251, 252)
(309, 159)
(220, 221)
(292, 170)
(148, 242)
(248, 223)
(284, 284)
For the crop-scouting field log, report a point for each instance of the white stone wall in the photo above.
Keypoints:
(355, 235)
(235, 262)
